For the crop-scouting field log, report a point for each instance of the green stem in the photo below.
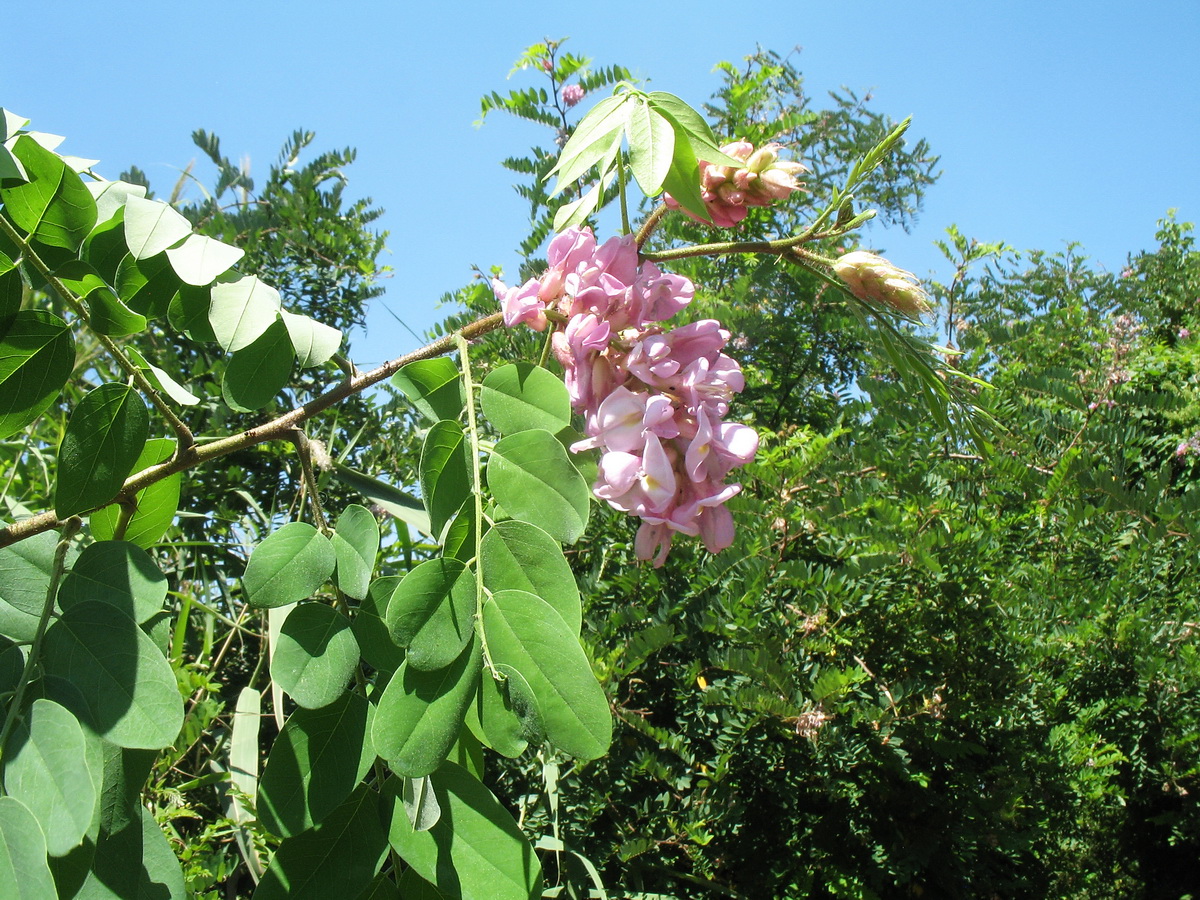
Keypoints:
(625, 229)
(477, 488)
(309, 480)
(722, 248)
(71, 525)
(182, 432)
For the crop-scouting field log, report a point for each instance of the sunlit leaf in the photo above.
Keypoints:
(433, 386)
(152, 226)
(315, 655)
(533, 480)
(521, 396)
(289, 565)
(37, 355)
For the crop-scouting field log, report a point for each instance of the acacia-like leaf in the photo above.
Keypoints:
(315, 655)
(200, 259)
(23, 868)
(260, 370)
(37, 355)
(533, 480)
(524, 632)
(651, 147)
(521, 556)
(432, 612)
(314, 342)
(105, 436)
(42, 769)
(129, 694)
(53, 205)
(240, 311)
(289, 565)
(119, 573)
(156, 504)
(444, 472)
(421, 713)
(315, 764)
(152, 226)
(519, 396)
(433, 386)
(475, 851)
(355, 544)
(106, 313)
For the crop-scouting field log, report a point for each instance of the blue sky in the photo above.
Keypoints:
(1055, 121)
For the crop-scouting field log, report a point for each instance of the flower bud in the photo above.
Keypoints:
(572, 94)
(871, 277)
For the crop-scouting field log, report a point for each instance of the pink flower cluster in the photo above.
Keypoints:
(728, 191)
(653, 400)
(572, 94)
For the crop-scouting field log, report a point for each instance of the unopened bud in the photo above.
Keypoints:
(871, 277)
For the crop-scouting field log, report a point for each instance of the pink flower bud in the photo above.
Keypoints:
(871, 277)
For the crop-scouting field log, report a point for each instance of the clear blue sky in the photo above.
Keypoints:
(1055, 121)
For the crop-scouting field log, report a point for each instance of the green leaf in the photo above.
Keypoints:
(119, 573)
(105, 436)
(288, 566)
(152, 226)
(421, 713)
(433, 386)
(25, 569)
(37, 355)
(240, 311)
(371, 630)
(432, 612)
(604, 147)
(106, 313)
(12, 290)
(314, 343)
(43, 770)
(521, 396)
(243, 752)
(533, 479)
(444, 472)
(156, 504)
(24, 874)
(475, 851)
(683, 181)
(651, 147)
(104, 248)
(314, 764)
(200, 259)
(609, 115)
(259, 371)
(505, 714)
(148, 286)
(400, 504)
(524, 632)
(129, 693)
(690, 128)
(111, 197)
(162, 381)
(520, 556)
(315, 655)
(355, 544)
(337, 858)
(188, 312)
(134, 861)
(53, 206)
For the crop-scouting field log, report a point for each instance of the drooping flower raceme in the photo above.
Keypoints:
(729, 191)
(653, 400)
(871, 277)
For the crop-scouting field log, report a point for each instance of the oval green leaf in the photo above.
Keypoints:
(533, 480)
(433, 386)
(156, 504)
(315, 655)
(37, 355)
(259, 371)
(45, 768)
(314, 342)
(421, 714)
(119, 573)
(23, 867)
(152, 226)
(524, 632)
(288, 566)
(371, 630)
(355, 543)
(240, 311)
(519, 556)
(53, 206)
(128, 691)
(432, 612)
(445, 473)
(200, 259)
(105, 436)
(520, 396)
(315, 764)
(475, 851)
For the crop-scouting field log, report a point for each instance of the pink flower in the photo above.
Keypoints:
(728, 191)
(572, 94)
